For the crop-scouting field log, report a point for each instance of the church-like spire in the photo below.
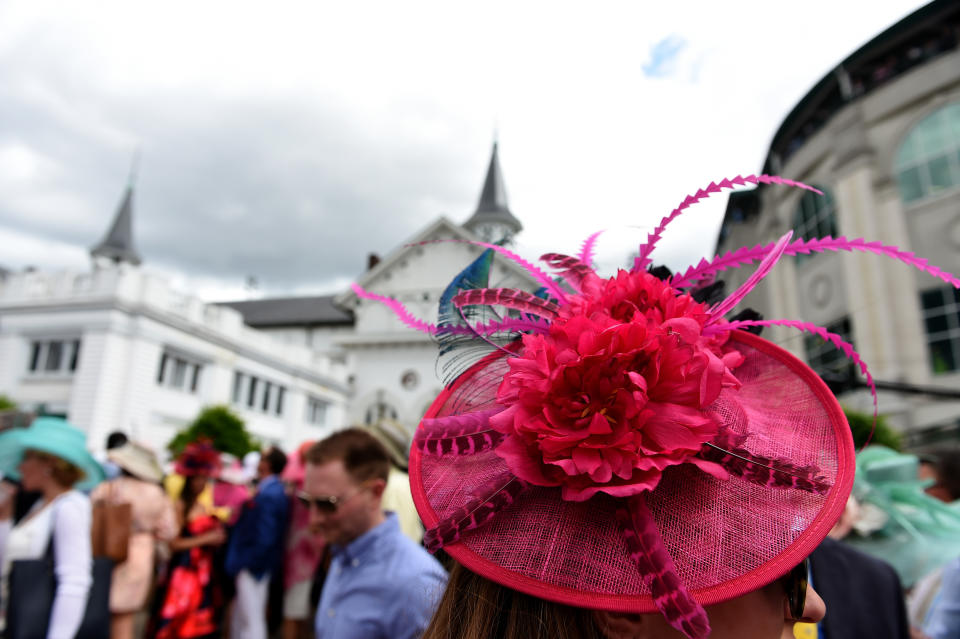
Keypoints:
(117, 245)
(492, 211)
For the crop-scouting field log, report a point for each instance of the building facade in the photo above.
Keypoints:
(116, 348)
(880, 136)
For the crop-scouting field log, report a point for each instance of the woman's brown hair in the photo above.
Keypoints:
(474, 607)
(63, 472)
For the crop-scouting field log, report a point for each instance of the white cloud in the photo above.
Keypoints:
(289, 140)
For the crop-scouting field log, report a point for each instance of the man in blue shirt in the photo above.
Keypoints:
(380, 584)
(256, 547)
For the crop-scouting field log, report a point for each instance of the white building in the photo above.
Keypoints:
(392, 367)
(115, 348)
(880, 137)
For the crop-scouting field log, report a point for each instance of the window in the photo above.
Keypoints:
(941, 319)
(928, 161)
(316, 411)
(257, 393)
(178, 371)
(379, 411)
(815, 217)
(827, 360)
(54, 357)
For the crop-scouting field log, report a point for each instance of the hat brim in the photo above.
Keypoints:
(726, 537)
(14, 443)
(137, 466)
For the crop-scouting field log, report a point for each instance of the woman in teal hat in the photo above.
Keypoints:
(50, 457)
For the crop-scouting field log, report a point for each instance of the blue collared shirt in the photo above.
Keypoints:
(943, 618)
(380, 586)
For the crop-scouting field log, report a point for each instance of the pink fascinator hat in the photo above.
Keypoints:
(621, 444)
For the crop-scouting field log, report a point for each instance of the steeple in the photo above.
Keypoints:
(117, 245)
(492, 219)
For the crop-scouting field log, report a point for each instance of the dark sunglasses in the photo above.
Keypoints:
(326, 504)
(795, 583)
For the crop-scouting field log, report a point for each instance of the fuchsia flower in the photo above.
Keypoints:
(615, 392)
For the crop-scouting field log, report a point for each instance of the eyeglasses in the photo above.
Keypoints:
(795, 583)
(325, 504)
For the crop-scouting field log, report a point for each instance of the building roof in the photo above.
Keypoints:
(493, 206)
(117, 245)
(317, 310)
(924, 34)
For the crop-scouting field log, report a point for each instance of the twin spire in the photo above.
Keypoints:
(117, 245)
(493, 212)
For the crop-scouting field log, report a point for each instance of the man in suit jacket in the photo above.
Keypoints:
(863, 594)
(256, 547)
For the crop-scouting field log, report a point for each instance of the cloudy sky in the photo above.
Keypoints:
(287, 140)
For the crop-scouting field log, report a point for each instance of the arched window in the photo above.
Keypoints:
(815, 217)
(928, 161)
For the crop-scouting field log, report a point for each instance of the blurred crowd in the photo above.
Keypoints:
(324, 541)
(212, 545)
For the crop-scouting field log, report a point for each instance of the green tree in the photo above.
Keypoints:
(6, 403)
(862, 423)
(221, 426)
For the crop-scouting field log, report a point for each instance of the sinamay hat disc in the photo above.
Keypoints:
(726, 537)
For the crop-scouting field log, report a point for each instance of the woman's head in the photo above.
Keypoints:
(474, 607)
(50, 454)
(38, 470)
(198, 459)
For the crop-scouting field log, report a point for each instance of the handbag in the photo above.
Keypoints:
(110, 531)
(32, 588)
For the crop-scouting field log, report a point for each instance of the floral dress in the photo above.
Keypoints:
(191, 600)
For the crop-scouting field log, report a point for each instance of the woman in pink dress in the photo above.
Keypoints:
(153, 520)
(302, 553)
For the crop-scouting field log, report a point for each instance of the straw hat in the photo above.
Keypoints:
(619, 444)
(138, 460)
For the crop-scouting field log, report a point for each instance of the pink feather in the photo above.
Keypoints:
(509, 324)
(643, 259)
(488, 500)
(727, 305)
(656, 566)
(728, 451)
(577, 273)
(747, 255)
(398, 309)
(531, 268)
(848, 350)
(586, 251)
(457, 434)
(509, 298)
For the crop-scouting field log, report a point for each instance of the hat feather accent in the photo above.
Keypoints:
(586, 251)
(577, 273)
(530, 267)
(488, 500)
(768, 262)
(653, 561)
(643, 257)
(728, 451)
(747, 255)
(452, 435)
(508, 298)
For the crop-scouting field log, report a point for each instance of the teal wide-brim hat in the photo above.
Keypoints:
(53, 436)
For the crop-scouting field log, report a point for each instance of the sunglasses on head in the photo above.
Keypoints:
(325, 504)
(795, 583)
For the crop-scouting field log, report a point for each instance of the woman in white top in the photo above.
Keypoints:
(50, 457)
